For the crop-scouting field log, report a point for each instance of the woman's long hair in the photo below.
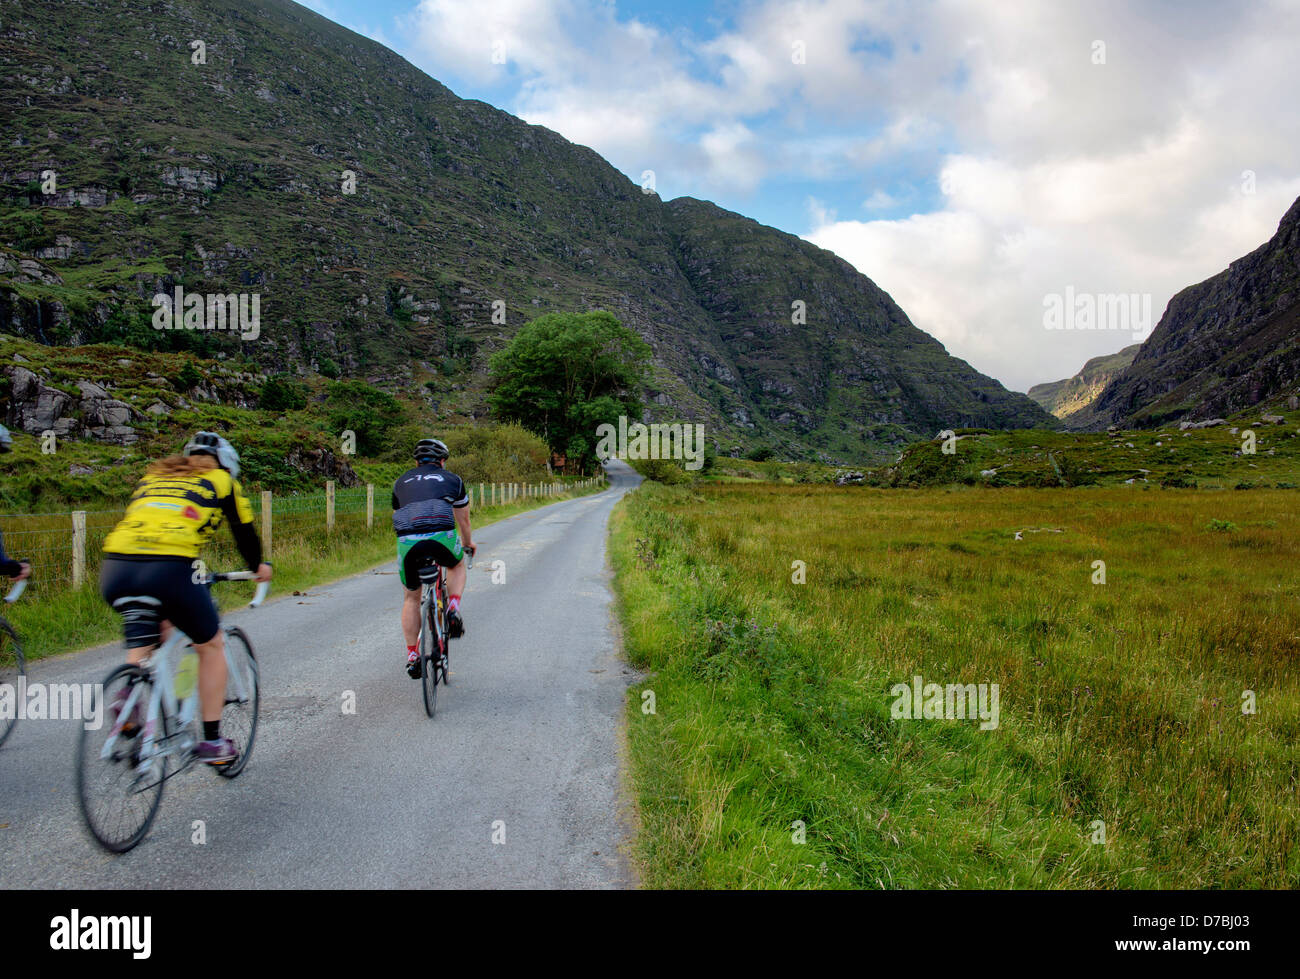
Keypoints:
(173, 466)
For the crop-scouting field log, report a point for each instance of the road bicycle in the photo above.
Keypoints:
(432, 644)
(152, 727)
(12, 664)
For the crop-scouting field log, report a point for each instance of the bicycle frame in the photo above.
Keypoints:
(431, 590)
(163, 702)
(431, 610)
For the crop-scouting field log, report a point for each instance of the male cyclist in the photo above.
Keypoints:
(176, 508)
(18, 570)
(430, 506)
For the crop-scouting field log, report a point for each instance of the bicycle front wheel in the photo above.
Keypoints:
(239, 715)
(12, 666)
(118, 791)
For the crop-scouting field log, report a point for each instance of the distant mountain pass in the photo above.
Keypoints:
(1064, 398)
(1223, 345)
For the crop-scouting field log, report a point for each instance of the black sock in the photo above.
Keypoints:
(211, 730)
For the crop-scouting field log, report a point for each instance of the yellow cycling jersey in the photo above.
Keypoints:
(173, 516)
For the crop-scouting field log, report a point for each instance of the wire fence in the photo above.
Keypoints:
(65, 549)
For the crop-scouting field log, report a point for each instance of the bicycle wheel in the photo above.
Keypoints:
(119, 796)
(429, 666)
(12, 666)
(239, 715)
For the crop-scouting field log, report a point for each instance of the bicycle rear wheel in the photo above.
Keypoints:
(239, 715)
(12, 666)
(429, 667)
(119, 795)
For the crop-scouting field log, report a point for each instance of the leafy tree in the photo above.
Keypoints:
(369, 412)
(565, 374)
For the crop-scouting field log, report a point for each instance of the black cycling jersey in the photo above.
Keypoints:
(8, 566)
(424, 498)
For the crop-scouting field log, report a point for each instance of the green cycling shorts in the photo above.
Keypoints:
(417, 551)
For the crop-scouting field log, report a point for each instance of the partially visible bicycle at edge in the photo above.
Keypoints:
(435, 663)
(152, 727)
(12, 664)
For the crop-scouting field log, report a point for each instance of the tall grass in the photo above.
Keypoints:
(1121, 703)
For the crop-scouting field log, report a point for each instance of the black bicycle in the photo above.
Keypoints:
(12, 664)
(432, 644)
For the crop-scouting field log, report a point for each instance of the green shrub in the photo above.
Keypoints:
(496, 453)
(664, 471)
(282, 393)
(188, 376)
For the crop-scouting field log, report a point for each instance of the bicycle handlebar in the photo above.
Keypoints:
(263, 588)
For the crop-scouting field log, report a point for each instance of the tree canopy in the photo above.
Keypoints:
(564, 374)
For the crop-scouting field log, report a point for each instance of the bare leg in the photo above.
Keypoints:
(411, 616)
(456, 579)
(212, 675)
(212, 670)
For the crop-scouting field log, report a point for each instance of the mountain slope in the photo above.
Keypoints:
(229, 175)
(1064, 398)
(1222, 345)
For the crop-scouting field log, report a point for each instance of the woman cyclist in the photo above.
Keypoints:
(176, 508)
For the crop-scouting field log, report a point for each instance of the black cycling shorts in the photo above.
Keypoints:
(187, 605)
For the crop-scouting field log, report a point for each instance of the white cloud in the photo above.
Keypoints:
(1055, 170)
(879, 201)
(1117, 177)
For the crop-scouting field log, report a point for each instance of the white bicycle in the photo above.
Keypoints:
(152, 734)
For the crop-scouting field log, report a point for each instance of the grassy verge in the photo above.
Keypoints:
(61, 620)
(773, 757)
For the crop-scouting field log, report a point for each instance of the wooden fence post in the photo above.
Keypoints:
(370, 506)
(78, 548)
(266, 523)
(329, 504)
(480, 495)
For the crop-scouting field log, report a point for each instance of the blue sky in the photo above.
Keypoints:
(973, 158)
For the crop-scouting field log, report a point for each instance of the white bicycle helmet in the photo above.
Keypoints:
(212, 444)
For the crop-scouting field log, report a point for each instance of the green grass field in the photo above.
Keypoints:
(763, 750)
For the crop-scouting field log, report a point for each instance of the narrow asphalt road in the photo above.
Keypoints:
(515, 783)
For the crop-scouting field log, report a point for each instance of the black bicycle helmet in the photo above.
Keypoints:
(430, 450)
